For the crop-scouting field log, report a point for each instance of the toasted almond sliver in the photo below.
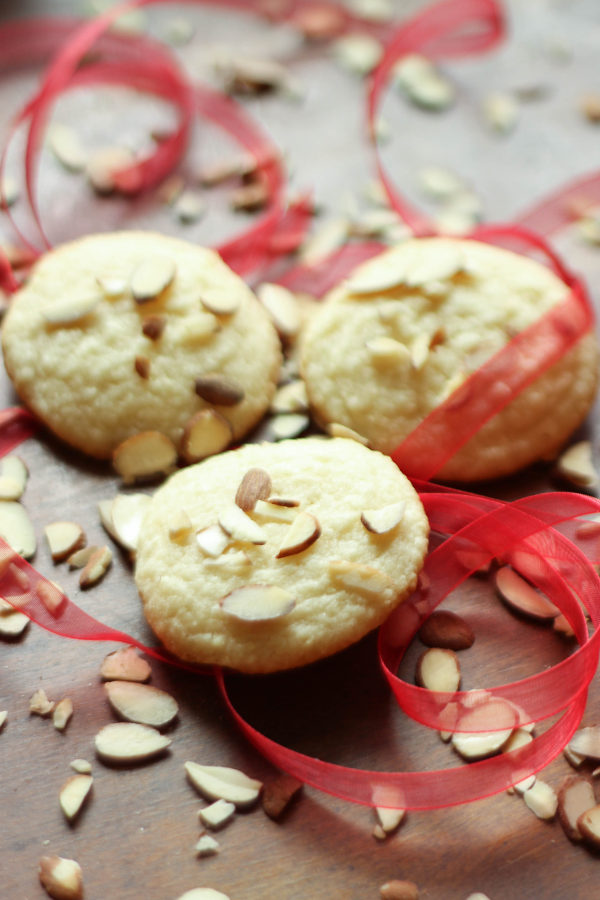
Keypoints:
(62, 713)
(129, 742)
(64, 538)
(258, 602)
(444, 628)
(302, 533)
(288, 425)
(361, 578)
(16, 528)
(73, 795)
(282, 306)
(399, 890)
(522, 597)
(125, 664)
(384, 519)
(13, 478)
(127, 513)
(96, 567)
(255, 485)
(144, 455)
(218, 390)
(278, 793)
(240, 527)
(141, 703)
(223, 783)
(250, 197)
(151, 277)
(206, 433)
(61, 878)
(69, 310)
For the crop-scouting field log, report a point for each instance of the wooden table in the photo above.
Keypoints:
(136, 837)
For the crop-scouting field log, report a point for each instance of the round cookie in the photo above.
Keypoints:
(327, 577)
(400, 334)
(117, 334)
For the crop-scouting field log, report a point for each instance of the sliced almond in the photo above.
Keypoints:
(66, 147)
(212, 540)
(376, 277)
(240, 527)
(64, 538)
(69, 310)
(233, 561)
(337, 430)
(385, 350)
(180, 526)
(197, 328)
(438, 670)
(61, 878)
(81, 766)
(576, 464)
(144, 455)
(331, 235)
(104, 164)
(62, 713)
(112, 286)
(576, 760)
(399, 890)
(206, 846)
(290, 398)
(444, 628)
(129, 742)
(302, 533)
(419, 350)
(217, 814)
(498, 719)
(384, 519)
(220, 301)
(250, 197)
(283, 308)
(358, 53)
(278, 793)
(189, 206)
(127, 514)
(40, 705)
(151, 277)
(361, 578)
(73, 795)
(575, 797)
(153, 327)
(586, 742)
(141, 703)
(205, 434)
(125, 664)
(258, 602)
(218, 390)
(542, 800)
(288, 425)
(81, 557)
(588, 825)
(522, 597)
(16, 528)
(12, 623)
(389, 819)
(96, 567)
(13, 478)
(275, 512)
(224, 783)
(255, 485)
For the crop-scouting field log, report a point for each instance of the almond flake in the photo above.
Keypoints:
(206, 846)
(438, 669)
(275, 512)
(9, 192)
(141, 364)
(278, 793)
(586, 742)
(329, 237)
(125, 664)
(189, 206)
(359, 53)
(575, 797)
(384, 519)
(151, 277)
(13, 478)
(217, 814)
(250, 197)
(385, 350)
(153, 327)
(542, 800)
(96, 567)
(198, 328)
(588, 825)
(223, 783)
(576, 465)
(80, 558)
(233, 561)
(12, 623)
(218, 390)
(127, 513)
(399, 890)
(522, 597)
(16, 528)
(362, 578)
(39, 704)
(64, 538)
(422, 83)
(180, 526)
(144, 455)
(141, 703)
(290, 398)
(376, 277)
(81, 766)
(111, 286)
(283, 308)
(337, 430)
(258, 602)
(288, 425)
(73, 795)
(302, 533)
(104, 164)
(212, 540)
(62, 713)
(241, 527)
(66, 147)
(255, 485)
(225, 170)
(61, 878)
(69, 310)
(501, 112)
(389, 819)
(220, 301)
(129, 742)
(206, 433)
(472, 742)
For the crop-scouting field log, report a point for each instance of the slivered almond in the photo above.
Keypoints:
(588, 824)
(141, 703)
(217, 814)
(16, 528)
(522, 597)
(73, 795)
(67, 311)
(147, 454)
(13, 478)
(96, 567)
(61, 878)
(542, 800)
(39, 704)
(278, 793)
(438, 669)
(206, 433)
(255, 485)
(302, 533)
(446, 629)
(212, 540)
(283, 308)
(288, 425)
(62, 713)
(220, 301)
(575, 797)
(127, 514)
(63, 539)
(151, 277)
(153, 327)
(577, 465)
(337, 430)
(224, 783)
(275, 512)
(125, 664)
(258, 602)
(129, 742)
(383, 519)
(362, 578)
(240, 527)
(218, 390)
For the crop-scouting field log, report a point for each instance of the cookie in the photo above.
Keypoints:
(272, 556)
(129, 332)
(405, 329)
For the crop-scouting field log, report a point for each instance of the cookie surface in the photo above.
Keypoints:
(112, 332)
(394, 340)
(337, 578)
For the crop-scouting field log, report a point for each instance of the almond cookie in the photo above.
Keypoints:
(129, 332)
(405, 329)
(272, 556)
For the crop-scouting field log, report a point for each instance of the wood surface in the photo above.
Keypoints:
(135, 839)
